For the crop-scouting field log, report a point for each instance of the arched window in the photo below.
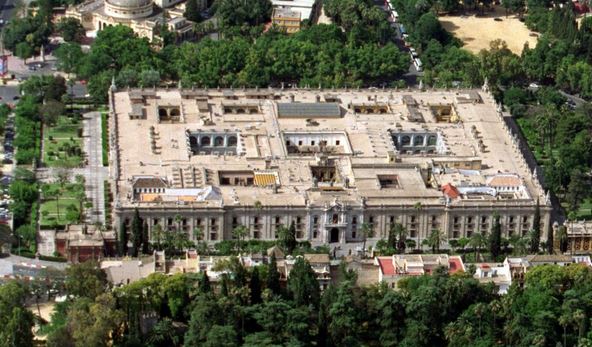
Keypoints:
(232, 141)
(175, 112)
(405, 140)
(418, 140)
(192, 141)
(219, 141)
(205, 141)
(162, 113)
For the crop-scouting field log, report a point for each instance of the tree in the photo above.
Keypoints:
(122, 240)
(71, 29)
(85, 280)
(495, 238)
(434, 240)
(137, 233)
(535, 233)
(16, 320)
(239, 233)
(158, 236)
(198, 234)
(273, 276)
(367, 231)
(149, 78)
(563, 239)
(577, 190)
(28, 234)
(95, 323)
(69, 57)
(192, 11)
(50, 111)
(221, 336)
(401, 233)
(477, 241)
(24, 51)
(238, 13)
(302, 284)
(255, 286)
(204, 283)
(288, 238)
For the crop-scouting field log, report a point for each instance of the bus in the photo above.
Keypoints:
(417, 64)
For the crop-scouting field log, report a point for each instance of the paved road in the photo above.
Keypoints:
(95, 172)
(20, 261)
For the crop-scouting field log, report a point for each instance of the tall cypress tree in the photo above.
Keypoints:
(535, 235)
(122, 240)
(145, 239)
(495, 238)
(137, 226)
(550, 240)
(204, 283)
(273, 276)
(255, 286)
(291, 241)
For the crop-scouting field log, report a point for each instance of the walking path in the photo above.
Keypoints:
(95, 173)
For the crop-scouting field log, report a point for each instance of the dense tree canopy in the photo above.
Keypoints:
(552, 307)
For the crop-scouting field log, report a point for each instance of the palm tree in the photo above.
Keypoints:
(417, 207)
(518, 244)
(434, 240)
(178, 221)
(410, 243)
(401, 233)
(157, 236)
(198, 234)
(477, 241)
(367, 231)
(564, 321)
(240, 232)
(463, 242)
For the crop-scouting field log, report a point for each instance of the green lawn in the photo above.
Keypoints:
(67, 198)
(62, 145)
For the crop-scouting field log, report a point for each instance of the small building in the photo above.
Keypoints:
(286, 19)
(396, 267)
(498, 274)
(545, 259)
(79, 243)
(320, 263)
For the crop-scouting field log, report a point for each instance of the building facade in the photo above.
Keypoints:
(327, 161)
(286, 19)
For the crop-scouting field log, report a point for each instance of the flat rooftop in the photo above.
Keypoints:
(298, 147)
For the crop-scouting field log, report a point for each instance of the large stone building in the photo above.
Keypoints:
(326, 160)
(145, 17)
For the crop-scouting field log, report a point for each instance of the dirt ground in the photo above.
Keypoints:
(477, 32)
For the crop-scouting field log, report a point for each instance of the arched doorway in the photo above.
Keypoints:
(334, 235)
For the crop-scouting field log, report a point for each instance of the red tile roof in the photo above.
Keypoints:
(386, 266)
(450, 191)
(455, 265)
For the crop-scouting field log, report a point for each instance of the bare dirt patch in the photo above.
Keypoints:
(476, 32)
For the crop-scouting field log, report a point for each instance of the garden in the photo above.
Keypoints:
(61, 203)
(63, 142)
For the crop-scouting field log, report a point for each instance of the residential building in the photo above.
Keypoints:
(498, 274)
(327, 161)
(286, 19)
(396, 267)
(304, 7)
